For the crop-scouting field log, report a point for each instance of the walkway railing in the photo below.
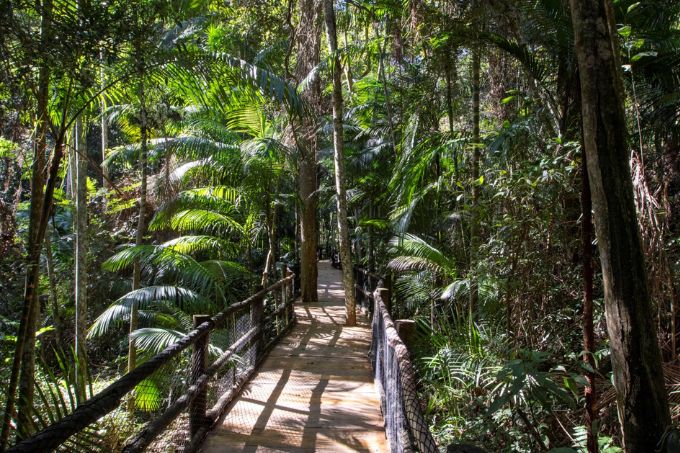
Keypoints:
(246, 331)
(405, 426)
(365, 282)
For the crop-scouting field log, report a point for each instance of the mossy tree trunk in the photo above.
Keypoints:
(308, 43)
(636, 358)
(339, 161)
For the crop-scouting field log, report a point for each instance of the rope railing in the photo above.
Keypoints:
(247, 329)
(405, 426)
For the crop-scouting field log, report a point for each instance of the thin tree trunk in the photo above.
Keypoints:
(348, 67)
(588, 331)
(80, 192)
(308, 39)
(636, 358)
(339, 160)
(141, 226)
(450, 72)
(54, 301)
(388, 104)
(104, 120)
(476, 155)
(23, 365)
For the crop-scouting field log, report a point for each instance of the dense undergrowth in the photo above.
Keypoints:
(193, 123)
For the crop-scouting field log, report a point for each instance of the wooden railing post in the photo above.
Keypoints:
(358, 295)
(392, 305)
(234, 335)
(256, 315)
(199, 362)
(366, 282)
(284, 301)
(290, 299)
(385, 296)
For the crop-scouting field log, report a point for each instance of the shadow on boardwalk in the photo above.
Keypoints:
(315, 390)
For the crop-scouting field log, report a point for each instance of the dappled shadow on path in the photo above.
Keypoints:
(315, 390)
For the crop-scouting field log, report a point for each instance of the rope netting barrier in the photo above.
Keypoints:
(197, 383)
(405, 426)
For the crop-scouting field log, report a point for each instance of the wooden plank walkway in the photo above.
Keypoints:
(314, 392)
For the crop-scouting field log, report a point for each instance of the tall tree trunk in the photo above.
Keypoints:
(636, 358)
(308, 38)
(104, 120)
(80, 191)
(450, 72)
(339, 160)
(23, 365)
(476, 155)
(588, 331)
(141, 224)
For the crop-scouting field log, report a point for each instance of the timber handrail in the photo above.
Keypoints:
(110, 398)
(405, 425)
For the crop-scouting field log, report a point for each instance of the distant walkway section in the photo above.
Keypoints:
(314, 392)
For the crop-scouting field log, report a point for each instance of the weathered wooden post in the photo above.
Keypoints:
(358, 295)
(284, 300)
(279, 297)
(199, 362)
(234, 336)
(387, 283)
(256, 312)
(385, 296)
(290, 286)
(366, 282)
(406, 329)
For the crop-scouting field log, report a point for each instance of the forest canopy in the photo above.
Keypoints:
(512, 167)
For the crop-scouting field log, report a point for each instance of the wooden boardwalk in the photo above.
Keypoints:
(314, 392)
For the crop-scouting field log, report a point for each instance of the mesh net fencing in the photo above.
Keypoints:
(182, 391)
(405, 426)
(232, 351)
(237, 345)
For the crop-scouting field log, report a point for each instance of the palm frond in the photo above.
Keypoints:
(193, 244)
(148, 297)
(416, 254)
(221, 199)
(189, 220)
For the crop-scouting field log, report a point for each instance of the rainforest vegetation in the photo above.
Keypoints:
(512, 166)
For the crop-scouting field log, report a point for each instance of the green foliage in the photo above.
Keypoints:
(7, 148)
(56, 396)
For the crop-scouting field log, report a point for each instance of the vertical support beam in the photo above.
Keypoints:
(366, 282)
(234, 336)
(278, 297)
(290, 299)
(406, 329)
(358, 282)
(392, 306)
(369, 286)
(284, 301)
(256, 314)
(199, 362)
(385, 296)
